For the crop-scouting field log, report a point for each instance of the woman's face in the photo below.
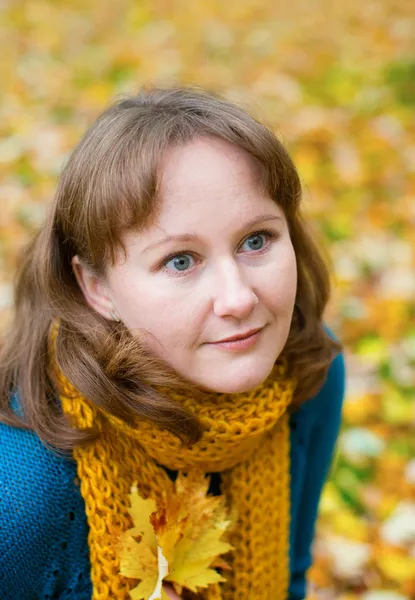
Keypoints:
(228, 267)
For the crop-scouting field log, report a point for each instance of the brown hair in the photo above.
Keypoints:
(109, 186)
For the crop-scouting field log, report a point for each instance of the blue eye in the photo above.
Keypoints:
(256, 241)
(180, 261)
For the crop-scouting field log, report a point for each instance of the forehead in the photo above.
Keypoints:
(207, 176)
(208, 182)
(206, 163)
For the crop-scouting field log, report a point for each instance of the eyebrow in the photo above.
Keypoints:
(191, 237)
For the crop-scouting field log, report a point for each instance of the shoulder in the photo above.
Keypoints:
(328, 402)
(41, 514)
(31, 471)
(334, 387)
(314, 431)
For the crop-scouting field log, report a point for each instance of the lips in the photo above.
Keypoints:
(239, 336)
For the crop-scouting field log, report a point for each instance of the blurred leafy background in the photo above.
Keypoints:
(336, 81)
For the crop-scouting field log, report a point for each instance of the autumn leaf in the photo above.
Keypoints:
(179, 540)
(138, 546)
(337, 86)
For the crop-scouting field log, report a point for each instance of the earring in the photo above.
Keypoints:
(114, 315)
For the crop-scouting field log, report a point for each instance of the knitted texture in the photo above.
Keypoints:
(43, 554)
(246, 438)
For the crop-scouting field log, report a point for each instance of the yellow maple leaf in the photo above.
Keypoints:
(138, 547)
(179, 540)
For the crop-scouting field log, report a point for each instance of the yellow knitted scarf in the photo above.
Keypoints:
(246, 439)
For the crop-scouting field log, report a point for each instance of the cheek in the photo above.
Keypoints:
(280, 282)
(169, 318)
(172, 330)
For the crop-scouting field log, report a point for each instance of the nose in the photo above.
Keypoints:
(233, 295)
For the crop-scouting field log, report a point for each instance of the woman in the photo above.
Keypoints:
(168, 318)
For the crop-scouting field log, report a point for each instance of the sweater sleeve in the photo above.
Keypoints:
(43, 549)
(323, 413)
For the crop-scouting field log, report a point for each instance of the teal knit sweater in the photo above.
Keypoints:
(43, 526)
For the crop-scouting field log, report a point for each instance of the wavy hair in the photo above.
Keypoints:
(109, 186)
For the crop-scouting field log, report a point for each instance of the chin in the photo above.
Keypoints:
(238, 383)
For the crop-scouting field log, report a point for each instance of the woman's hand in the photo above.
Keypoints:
(170, 592)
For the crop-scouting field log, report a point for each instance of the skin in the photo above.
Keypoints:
(226, 281)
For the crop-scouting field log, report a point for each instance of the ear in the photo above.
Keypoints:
(93, 288)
